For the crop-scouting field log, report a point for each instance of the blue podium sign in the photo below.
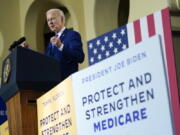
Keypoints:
(3, 115)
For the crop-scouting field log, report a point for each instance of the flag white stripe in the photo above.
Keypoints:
(144, 28)
(159, 30)
(130, 33)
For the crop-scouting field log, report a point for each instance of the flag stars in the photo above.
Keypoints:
(99, 56)
(115, 50)
(105, 39)
(124, 46)
(102, 48)
(110, 44)
(119, 41)
(95, 51)
(106, 45)
(122, 32)
(107, 54)
(90, 45)
(92, 60)
(114, 35)
(98, 42)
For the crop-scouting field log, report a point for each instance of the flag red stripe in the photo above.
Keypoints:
(137, 31)
(151, 25)
(171, 70)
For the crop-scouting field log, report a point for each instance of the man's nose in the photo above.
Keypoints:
(50, 22)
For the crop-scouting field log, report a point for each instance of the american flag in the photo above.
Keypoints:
(128, 35)
(124, 37)
(107, 45)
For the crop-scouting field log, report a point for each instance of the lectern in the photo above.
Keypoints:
(26, 75)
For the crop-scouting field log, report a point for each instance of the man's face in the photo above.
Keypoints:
(54, 21)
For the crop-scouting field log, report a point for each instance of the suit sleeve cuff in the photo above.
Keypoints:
(61, 47)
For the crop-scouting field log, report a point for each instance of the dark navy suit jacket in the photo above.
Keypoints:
(71, 55)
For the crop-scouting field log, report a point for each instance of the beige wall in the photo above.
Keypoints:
(176, 41)
(99, 15)
(140, 8)
(90, 17)
(9, 26)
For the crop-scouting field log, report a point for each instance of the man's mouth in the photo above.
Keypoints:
(52, 26)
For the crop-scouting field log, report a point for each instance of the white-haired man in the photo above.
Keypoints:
(66, 45)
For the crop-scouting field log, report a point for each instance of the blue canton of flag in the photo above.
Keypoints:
(107, 45)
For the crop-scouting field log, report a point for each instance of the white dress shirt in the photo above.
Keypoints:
(58, 35)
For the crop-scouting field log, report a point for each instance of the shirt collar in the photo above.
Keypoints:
(60, 32)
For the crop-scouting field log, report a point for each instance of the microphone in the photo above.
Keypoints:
(16, 43)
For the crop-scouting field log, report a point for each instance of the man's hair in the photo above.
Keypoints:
(60, 12)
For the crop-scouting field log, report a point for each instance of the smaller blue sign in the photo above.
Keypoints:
(3, 114)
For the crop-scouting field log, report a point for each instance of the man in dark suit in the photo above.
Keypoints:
(66, 45)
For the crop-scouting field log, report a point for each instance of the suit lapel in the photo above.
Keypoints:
(62, 37)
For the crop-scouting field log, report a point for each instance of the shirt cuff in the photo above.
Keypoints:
(61, 47)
